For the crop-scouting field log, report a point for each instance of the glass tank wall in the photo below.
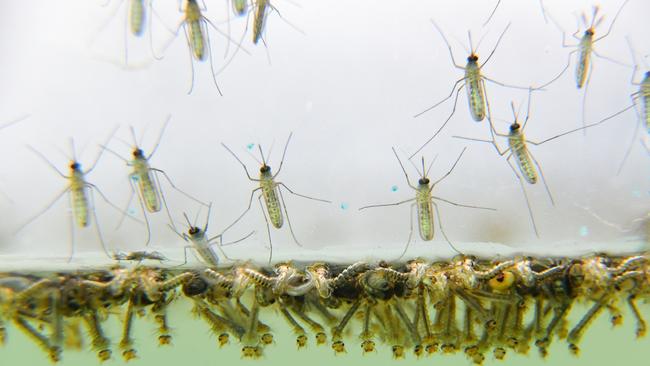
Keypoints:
(325, 93)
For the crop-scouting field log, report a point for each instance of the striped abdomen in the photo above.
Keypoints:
(79, 198)
(584, 60)
(205, 251)
(136, 17)
(524, 161)
(197, 39)
(271, 199)
(258, 21)
(475, 93)
(425, 212)
(239, 7)
(149, 192)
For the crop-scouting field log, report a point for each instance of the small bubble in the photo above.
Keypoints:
(344, 206)
(250, 146)
(584, 231)
(131, 211)
(394, 188)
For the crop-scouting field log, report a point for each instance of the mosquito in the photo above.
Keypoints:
(585, 49)
(202, 244)
(136, 21)
(195, 27)
(144, 180)
(425, 203)
(641, 96)
(473, 81)
(528, 169)
(271, 193)
(81, 194)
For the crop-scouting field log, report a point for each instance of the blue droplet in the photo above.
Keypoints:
(584, 231)
(344, 206)
(250, 146)
(394, 188)
(131, 211)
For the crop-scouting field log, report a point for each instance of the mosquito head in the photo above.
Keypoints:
(193, 230)
(265, 169)
(647, 74)
(590, 32)
(473, 57)
(74, 166)
(423, 181)
(515, 127)
(138, 153)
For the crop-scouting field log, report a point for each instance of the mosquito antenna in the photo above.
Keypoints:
(461, 43)
(593, 16)
(72, 149)
(431, 165)
(187, 219)
(414, 167)
(135, 140)
(262, 154)
(471, 46)
(478, 45)
(515, 114)
(252, 156)
(268, 153)
(497, 44)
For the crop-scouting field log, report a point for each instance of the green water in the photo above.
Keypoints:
(194, 344)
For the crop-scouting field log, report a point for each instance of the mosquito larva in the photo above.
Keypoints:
(270, 192)
(81, 194)
(473, 81)
(424, 201)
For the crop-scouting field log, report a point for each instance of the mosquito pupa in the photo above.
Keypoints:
(473, 81)
(528, 169)
(271, 193)
(145, 182)
(425, 203)
(585, 50)
(642, 97)
(202, 244)
(82, 196)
